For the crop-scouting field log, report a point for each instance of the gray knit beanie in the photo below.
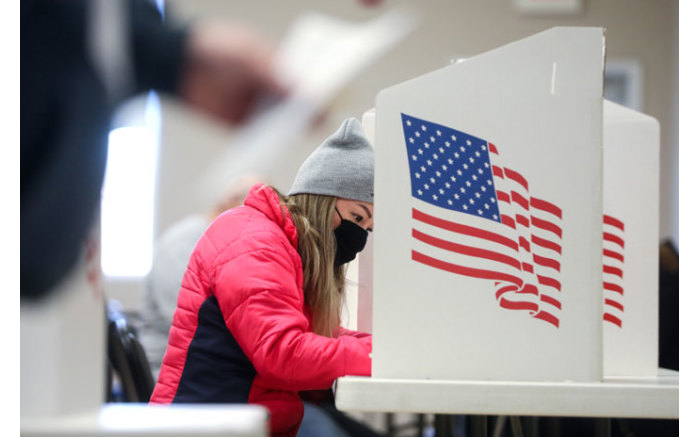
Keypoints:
(342, 166)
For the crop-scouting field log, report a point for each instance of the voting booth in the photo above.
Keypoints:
(516, 221)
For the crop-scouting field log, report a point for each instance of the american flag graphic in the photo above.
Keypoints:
(474, 216)
(613, 263)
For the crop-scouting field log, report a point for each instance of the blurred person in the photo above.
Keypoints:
(169, 263)
(79, 60)
(258, 314)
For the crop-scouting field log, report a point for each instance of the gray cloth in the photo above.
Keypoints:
(163, 285)
(342, 166)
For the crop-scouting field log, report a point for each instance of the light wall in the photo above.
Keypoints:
(643, 30)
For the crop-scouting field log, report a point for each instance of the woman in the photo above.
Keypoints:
(258, 314)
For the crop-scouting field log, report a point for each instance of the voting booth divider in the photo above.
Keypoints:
(516, 221)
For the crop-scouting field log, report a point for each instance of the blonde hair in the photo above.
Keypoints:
(323, 282)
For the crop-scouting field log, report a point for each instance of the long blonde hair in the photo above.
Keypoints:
(324, 283)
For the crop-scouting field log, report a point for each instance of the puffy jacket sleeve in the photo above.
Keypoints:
(259, 292)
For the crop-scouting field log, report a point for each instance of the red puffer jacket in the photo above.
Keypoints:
(241, 332)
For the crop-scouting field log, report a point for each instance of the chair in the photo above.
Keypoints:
(127, 360)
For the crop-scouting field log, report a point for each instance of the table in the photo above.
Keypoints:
(654, 397)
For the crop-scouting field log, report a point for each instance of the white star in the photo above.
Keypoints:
(447, 144)
(462, 149)
(420, 151)
(444, 167)
(495, 217)
(483, 188)
(408, 123)
(441, 191)
(465, 166)
(474, 177)
(459, 172)
(462, 190)
(493, 200)
(415, 158)
(471, 160)
(439, 133)
(456, 155)
(441, 150)
(471, 201)
(454, 179)
(427, 146)
(417, 134)
(411, 140)
(432, 139)
(417, 175)
(483, 147)
(426, 186)
(481, 212)
(456, 196)
(438, 174)
(422, 168)
(447, 185)
(454, 138)
(435, 156)
(420, 192)
(469, 184)
(480, 171)
(465, 207)
(450, 161)
(489, 182)
(478, 195)
(477, 154)
(486, 205)
(429, 162)
(469, 143)
(449, 202)
(432, 180)
(486, 164)
(423, 128)
(434, 197)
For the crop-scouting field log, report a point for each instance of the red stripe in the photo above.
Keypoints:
(547, 262)
(612, 271)
(505, 290)
(547, 226)
(529, 289)
(465, 250)
(546, 244)
(614, 238)
(517, 177)
(520, 200)
(614, 304)
(543, 315)
(524, 243)
(493, 149)
(461, 270)
(550, 300)
(612, 221)
(522, 220)
(612, 319)
(544, 280)
(528, 268)
(508, 221)
(503, 196)
(613, 254)
(464, 229)
(613, 287)
(497, 171)
(511, 305)
(545, 206)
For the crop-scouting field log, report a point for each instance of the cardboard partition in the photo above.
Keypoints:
(488, 209)
(630, 242)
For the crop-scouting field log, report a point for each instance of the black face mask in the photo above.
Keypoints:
(350, 239)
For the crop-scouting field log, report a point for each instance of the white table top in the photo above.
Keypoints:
(655, 397)
(179, 420)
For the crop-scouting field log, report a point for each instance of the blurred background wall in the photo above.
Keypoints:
(644, 32)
